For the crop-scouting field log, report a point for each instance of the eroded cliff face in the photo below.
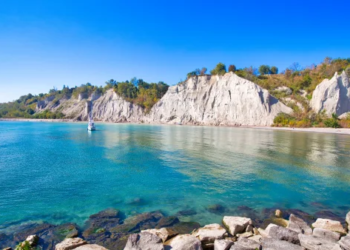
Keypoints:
(332, 95)
(217, 100)
(203, 100)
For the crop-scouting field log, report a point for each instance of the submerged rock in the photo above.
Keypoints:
(144, 241)
(167, 221)
(216, 209)
(236, 224)
(331, 225)
(107, 213)
(138, 222)
(188, 212)
(185, 227)
(298, 225)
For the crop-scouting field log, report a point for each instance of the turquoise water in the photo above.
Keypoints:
(58, 172)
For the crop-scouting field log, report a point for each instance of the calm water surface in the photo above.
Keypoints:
(58, 172)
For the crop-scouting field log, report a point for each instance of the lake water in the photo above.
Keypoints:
(59, 172)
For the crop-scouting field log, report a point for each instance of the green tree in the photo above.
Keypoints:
(232, 68)
(274, 70)
(220, 69)
(264, 70)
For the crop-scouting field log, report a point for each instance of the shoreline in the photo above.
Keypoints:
(341, 131)
(110, 229)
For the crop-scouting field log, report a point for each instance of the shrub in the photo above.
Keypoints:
(220, 69)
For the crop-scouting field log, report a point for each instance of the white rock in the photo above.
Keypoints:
(331, 225)
(245, 244)
(222, 244)
(312, 242)
(32, 240)
(144, 241)
(236, 224)
(285, 89)
(184, 242)
(217, 100)
(256, 238)
(281, 233)
(210, 232)
(345, 242)
(348, 220)
(163, 233)
(298, 225)
(90, 247)
(274, 244)
(70, 243)
(323, 233)
(337, 247)
(332, 95)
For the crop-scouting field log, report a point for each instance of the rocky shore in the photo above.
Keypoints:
(291, 229)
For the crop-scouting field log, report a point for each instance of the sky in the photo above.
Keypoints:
(46, 44)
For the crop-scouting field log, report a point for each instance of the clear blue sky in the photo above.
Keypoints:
(55, 43)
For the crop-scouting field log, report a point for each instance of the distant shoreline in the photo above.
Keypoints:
(342, 131)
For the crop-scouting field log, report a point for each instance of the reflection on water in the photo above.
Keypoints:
(60, 172)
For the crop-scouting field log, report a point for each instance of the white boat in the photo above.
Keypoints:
(91, 124)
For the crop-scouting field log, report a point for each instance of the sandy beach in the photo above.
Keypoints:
(342, 131)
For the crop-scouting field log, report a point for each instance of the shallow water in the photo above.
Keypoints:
(59, 172)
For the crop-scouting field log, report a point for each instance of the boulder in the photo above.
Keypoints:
(273, 244)
(281, 233)
(348, 220)
(32, 240)
(183, 242)
(144, 241)
(163, 233)
(210, 233)
(70, 243)
(278, 213)
(298, 225)
(332, 95)
(245, 244)
(331, 225)
(236, 224)
(222, 244)
(337, 247)
(256, 238)
(326, 234)
(345, 242)
(90, 247)
(312, 242)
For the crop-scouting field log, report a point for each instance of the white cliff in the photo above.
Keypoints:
(202, 100)
(217, 100)
(332, 95)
